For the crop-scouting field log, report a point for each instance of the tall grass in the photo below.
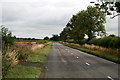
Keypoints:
(21, 51)
(11, 55)
(113, 52)
(9, 59)
(106, 53)
(39, 46)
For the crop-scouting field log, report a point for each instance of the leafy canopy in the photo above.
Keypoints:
(88, 22)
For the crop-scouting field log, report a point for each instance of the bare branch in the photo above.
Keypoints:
(115, 15)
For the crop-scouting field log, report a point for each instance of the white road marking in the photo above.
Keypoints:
(87, 63)
(46, 67)
(110, 78)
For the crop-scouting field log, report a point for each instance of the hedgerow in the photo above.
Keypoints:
(42, 41)
(108, 42)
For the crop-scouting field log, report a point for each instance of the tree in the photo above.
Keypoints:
(54, 38)
(7, 41)
(65, 34)
(95, 22)
(76, 30)
(89, 22)
(46, 38)
(109, 7)
(7, 38)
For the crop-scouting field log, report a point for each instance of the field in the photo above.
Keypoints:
(25, 59)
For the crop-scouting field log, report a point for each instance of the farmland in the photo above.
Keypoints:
(52, 39)
(24, 55)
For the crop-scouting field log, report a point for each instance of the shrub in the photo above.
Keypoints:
(9, 54)
(108, 42)
(42, 41)
(24, 51)
(9, 59)
(7, 38)
(83, 41)
(70, 40)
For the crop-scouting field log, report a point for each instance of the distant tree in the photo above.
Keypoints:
(28, 38)
(55, 38)
(112, 35)
(33, 39)
(46, 38)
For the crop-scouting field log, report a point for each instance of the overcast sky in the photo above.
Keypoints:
(40, 18)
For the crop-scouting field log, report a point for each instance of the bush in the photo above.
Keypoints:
(42, 41)
(12, 53)
(70, 40)
(24, 51)
(9, 59)
(7, 38)
(108, 42)
(9, 55)
(83, 41)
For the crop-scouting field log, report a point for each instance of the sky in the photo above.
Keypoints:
(40, 18)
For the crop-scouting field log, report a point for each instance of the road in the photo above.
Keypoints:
(65, 62)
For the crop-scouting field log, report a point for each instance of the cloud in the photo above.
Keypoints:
(112, 25)
(39, 18)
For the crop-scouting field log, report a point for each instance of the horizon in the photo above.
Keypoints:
(38, 19)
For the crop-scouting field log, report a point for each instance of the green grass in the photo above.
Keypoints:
(96, 53)
(20, 71)
(40, 55)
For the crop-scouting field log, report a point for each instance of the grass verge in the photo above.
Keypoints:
(21, 71)
(40, 55)
(96, 53)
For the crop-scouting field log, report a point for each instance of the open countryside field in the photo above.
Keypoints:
(59, 39)
(49, 59)
(29, 61)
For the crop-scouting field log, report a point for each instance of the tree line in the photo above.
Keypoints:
(88, 22)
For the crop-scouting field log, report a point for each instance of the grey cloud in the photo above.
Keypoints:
(39, 18)
(112, 25)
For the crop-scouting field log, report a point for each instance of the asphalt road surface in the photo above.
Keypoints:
(65, 62)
